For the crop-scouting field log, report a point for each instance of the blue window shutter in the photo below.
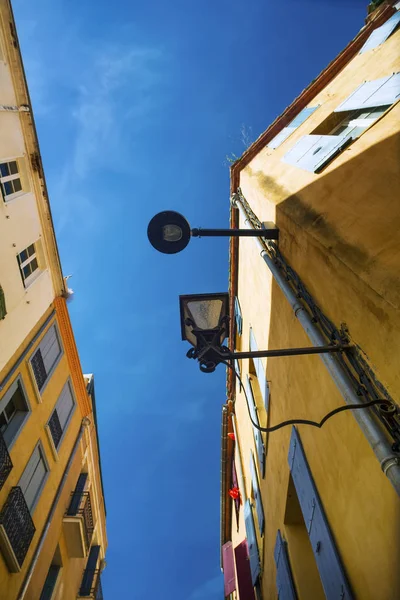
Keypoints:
(50, 582)
(293, 125)
(90, 571)
(260, 371)
(238, 317)
(251, 542)
(378, 92)
(381, 34)
(329, 565)
(284, 579)
(313, 152)
(257, 433)
(257, 494)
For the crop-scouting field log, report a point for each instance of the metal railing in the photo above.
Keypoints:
(5, 462)
(55, 428)
(17, 523)
(91, 584)
(81, 506)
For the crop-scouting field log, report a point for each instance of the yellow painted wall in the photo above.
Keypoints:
(86, 458)
(339, 231)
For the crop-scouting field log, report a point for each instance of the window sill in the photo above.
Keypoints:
(28, 283)
(11, 197)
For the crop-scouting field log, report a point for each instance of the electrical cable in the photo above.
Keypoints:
(304, 421)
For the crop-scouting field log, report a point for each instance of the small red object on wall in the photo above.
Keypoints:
(234, 493)
(231, 436)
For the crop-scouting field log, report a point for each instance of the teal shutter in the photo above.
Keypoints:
(251, 542)
(381, 34)
(257, 494)
(257, 433)
(293, 125)
(380, 92)
(260, 370)
(33, 477)
(329, 565)
(3, 310)
(313, 152)
(284, 579)
(238, 317)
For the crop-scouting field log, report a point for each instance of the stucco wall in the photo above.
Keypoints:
(339, 231)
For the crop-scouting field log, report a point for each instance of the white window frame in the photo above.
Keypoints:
(19, 417)
(7, 178)
(369, 119)
(27, 281)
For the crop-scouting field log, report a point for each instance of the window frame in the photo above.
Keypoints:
(22, 264)
(20, 417)
(55, 448)
(39, 491)
(10, 178)
(49, 375)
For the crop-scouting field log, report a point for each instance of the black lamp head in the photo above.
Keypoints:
(169, 232)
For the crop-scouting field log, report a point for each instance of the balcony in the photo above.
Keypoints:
(5, 462)
(78, 525)
(16, 530)
(91, 585)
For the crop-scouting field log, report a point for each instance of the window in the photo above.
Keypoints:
(10, 180)
(61, 415)
(381, 34)
(28, 264)
(14, 411)
(52, 577)
(256, 494)
(258, 437)
(257, 369)
(251, 542)
(351, 118)
(293, 125)
(316, 562)
(34, 477)
(46, 357)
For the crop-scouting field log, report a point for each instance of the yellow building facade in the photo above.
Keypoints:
(308, 512)
(52, 513)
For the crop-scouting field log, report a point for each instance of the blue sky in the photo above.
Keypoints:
(137, 105)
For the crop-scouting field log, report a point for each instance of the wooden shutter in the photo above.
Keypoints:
(238, 317)
(65, 405)
(258, 440)
(260, 371)
(33, 477)
(369, 94)
(229, 568)
(257, 494)
(330, 568)
(50, 582)
(284, 579)
(251, 542)
(313, 152)
(50, 349)
(381, 34)
(293, 125)
(89, 572)
(243, 572)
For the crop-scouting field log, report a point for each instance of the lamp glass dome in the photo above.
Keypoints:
(205, 312)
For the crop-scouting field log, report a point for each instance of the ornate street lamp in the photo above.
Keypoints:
(205, 325)
(169, 232)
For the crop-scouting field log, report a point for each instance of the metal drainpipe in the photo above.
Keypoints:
(224, 444)
(390, 462)
(28, 576)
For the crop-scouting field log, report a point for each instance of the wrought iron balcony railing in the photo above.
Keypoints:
(81, 505)
(55, 428)
(16, 523)
(91, 585)
(5, 461)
